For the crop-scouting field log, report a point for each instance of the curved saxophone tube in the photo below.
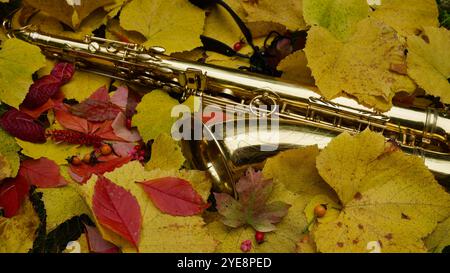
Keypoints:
(311, 119)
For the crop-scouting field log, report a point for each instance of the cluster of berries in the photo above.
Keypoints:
(91, 158)
(138, 153)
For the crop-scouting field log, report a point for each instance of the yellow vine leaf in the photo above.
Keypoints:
(153, 115)
(283, 239)
(57, 152)
(17, 233)
(296, 169)
(338, 16)
(289, 13)
(440, 238)
(408, 17)
(363, 67)
(83, 84)
(71, 15)
(428, 61)
(18, 61)
(9, 154)
(295, 68)
(160, 232)
(220, 25)
(175, 25)
(51, 25)
(61, 204)
(387, 197)
(166, 154)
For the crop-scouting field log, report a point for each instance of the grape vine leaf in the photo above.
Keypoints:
(9, 153)
(219, 24)
(154, 114)
(166, 154)
(289, 13)
(338, 16)
(71, 15)
(428, 63)
(61, 204)
(296, 169)
(386, 196)
(371, 66)
(17, 233)
(177, 26)
(160, 232)
(18, 61)
(295, 68)
(440, 238)
(407, 17)
(251, 208)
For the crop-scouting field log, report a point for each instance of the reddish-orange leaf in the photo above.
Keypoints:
(174, 196)
(83, 172)
(69, 121)
(42, 172)
(117, 209)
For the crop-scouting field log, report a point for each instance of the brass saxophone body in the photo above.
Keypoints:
(305, 118)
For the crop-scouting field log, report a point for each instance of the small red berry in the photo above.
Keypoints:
(142, 153)
(87, 158)
(259, 237)
(237, 46)
(75, 160)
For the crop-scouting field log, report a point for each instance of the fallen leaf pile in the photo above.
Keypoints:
(89, 159)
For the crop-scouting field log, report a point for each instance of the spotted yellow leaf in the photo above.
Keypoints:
(9, 155)
(387, 197)
(160, 232)
(175, 25)
(338, 16)
(18, 61)
(440, 238)
(296, 169)
(371, 65)
(428, 61)
(295, 68)
(72, 12)
(17, 233)
(407, 17)
(289, 13)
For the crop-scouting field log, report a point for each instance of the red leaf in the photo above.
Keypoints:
(101, 94)
(83, 172)
(120, 97)
(174, 196)
(35, 113)
(43, 173)
(96, 110)
(70, 121)
(12, 193)
(120, 129)
(63, 72)
(117, 209)
(105, 130)
(97, 244)
(22, 126)
(41, 91)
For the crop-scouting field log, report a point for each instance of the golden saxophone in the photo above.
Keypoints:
(305, 118)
